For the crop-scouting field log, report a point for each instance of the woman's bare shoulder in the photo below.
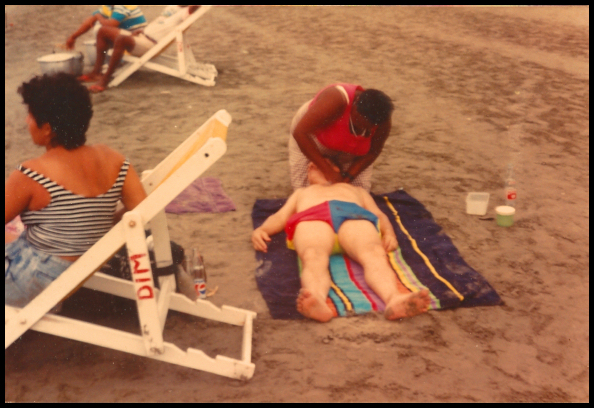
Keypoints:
(31, 163)
(107, 151)
(108, 155)
(333, 95)
(38, 164)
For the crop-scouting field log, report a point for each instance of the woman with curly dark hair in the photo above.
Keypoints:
(67, 196)
(345, 123)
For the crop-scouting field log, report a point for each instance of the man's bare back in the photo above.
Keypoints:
(315, 194)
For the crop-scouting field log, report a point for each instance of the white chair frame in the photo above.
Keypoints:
(183, 66)
(203, 148)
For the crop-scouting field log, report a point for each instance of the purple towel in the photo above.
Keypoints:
(204, 195)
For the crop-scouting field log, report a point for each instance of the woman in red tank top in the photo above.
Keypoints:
(342, 120)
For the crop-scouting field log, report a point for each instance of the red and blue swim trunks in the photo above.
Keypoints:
(334, 212)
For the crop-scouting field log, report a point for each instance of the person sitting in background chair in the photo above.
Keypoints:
(124, 17)
(136, 43)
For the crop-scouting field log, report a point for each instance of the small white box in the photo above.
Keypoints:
(476, 203)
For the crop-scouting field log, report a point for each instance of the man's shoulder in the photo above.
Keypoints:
(298, 192)
(311, 189)
(350, 187)
(362, 192)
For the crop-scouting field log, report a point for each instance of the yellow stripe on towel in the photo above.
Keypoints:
(417, 250)
(400, 273)
(347, 303)
(345, 300)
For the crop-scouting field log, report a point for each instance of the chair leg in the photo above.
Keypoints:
(142, 276)
(167, 285)
(161, 240)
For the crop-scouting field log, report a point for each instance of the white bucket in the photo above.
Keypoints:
(68, 62)
(91, 51)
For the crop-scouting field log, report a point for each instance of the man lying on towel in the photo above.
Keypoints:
(322, 214)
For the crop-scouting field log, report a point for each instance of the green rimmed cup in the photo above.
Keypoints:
(505, 215)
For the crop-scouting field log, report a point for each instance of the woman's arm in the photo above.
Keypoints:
(132, 192)
(327, 108)
(17, 195)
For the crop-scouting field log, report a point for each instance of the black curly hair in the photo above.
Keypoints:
(63, 102)
(374, 105)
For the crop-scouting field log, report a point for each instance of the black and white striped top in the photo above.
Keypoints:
(70, 224)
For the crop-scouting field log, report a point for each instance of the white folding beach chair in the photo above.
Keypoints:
(182, 66)
(163, 184)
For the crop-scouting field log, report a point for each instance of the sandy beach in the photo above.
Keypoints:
(475, 89)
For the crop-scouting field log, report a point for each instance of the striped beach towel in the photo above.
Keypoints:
(425, 258)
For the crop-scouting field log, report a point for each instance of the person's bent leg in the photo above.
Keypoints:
(121, 44)
(105, 39)
(298, 163)
(313, 242)
(360, 240)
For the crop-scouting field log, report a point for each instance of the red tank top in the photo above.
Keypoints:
(337, 135)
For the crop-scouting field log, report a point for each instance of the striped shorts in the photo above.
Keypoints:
(298, 162)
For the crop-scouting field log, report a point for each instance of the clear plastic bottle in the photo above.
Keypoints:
(198, 273)
(510, 187)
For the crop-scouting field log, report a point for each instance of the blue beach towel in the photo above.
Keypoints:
(425, 258)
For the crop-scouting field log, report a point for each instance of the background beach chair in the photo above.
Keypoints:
(204, 147)
(182, 66)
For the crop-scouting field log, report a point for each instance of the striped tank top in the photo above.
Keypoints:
(70, 224)
(130, 17)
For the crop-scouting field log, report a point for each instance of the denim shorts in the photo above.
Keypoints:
(28, 271)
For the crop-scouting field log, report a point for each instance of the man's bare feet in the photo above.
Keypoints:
(408, 305)
(310, 306)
